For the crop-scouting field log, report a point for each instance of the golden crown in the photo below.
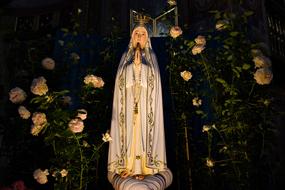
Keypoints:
(141, 19)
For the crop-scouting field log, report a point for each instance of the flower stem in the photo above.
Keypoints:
(81, 163)
(252, 88)
(94, 152)
(207, 70)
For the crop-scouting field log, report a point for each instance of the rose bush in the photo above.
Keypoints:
(63, 130)
(231, 75)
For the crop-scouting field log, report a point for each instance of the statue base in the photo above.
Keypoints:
(159, 181)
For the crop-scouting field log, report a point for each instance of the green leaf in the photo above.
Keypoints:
(199, 112)
(234, 34)
(230, 57)
(245, 66)
(190, 44)
(248, 13)
(65, 30)
(237, 71)
(226, 46)
(222, 81)
(214, 11)
(224, 111)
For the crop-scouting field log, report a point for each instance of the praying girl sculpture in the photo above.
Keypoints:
(137, 151)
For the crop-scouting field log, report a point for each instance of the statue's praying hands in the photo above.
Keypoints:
(137, 60)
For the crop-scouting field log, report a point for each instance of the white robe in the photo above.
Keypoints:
(138, 144)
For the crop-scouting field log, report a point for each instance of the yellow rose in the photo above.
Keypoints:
(106, 137)
(196, 102)
(261, 61)
(206, 128)
(263, 76)
(197, 49)
(201, 40)
(222, 24)
(41, 176)
(186, 75)
(63, 173)
(210, 163)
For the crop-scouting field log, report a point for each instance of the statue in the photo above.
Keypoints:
(137, 128)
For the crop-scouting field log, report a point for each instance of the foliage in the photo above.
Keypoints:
(71, 156)
(235, 117)
(73, 151)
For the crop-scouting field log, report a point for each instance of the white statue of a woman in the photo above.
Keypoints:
(137, 128)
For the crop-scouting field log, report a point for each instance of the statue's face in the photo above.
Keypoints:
(140, 36)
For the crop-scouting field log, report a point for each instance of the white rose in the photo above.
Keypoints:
(41, 176)
(200, 40)
(36, 129)
(197, 102)
(96, 82)
(222, 24)
(48, 63)
(106, 137)
(23, 112)
(17, 95)
(206, 128)
(74, 56)
(175, 31)
(63, 173)
(186, 75)
(39, 118)
(197, 49)
(261, 61)
(39, 86)
(76, 125)
(82, 114)
(210, 163)
(263, 76)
